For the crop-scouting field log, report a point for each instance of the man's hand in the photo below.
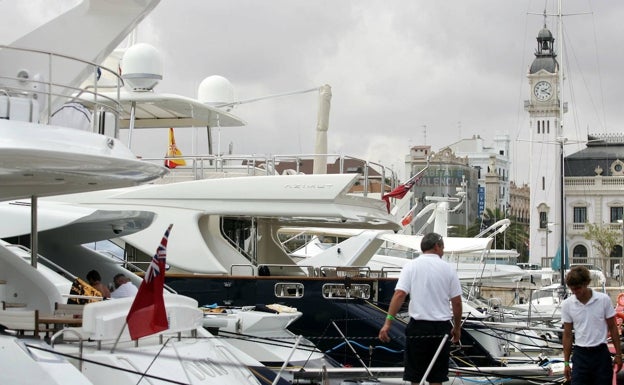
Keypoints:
(383, 332)
(455, 333)
(617, 362)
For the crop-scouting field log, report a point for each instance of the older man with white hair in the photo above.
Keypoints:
(123, 287)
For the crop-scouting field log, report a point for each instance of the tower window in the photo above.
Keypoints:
(543, 222)
(543, 183)
(538, 126)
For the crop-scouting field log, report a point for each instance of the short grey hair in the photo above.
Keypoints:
(429, 241)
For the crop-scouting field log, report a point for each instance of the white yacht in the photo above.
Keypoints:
(46, 150)
(229, 252)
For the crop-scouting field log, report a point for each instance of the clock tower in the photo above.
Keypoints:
(545, 112)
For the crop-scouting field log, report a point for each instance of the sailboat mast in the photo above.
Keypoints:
(561, 140)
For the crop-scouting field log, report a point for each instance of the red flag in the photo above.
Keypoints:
(401, 190)
(147, 314)
(407, 219)
(173, 152)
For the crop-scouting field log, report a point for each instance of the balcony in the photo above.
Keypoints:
(580, 184)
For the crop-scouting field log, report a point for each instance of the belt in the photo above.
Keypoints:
(597, 347)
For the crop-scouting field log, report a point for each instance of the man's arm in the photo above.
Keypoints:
(615, 339)
(395, 304)
(456, 304)
(567, 348)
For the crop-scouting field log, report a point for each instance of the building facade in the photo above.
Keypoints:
(594, 183)
(519, 203)
(492, 160)
(446, 174)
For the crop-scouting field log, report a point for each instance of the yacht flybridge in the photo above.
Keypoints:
(42, 152)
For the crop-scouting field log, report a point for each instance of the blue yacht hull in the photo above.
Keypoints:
(359, 319)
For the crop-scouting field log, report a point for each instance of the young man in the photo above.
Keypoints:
(591, 315)
(431, 284)
(95, 280)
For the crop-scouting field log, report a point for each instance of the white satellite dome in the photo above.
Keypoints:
(141, 67)
(215, 90)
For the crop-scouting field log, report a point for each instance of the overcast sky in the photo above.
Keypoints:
(402, 72)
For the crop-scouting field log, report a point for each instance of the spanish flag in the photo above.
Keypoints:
(173, 152)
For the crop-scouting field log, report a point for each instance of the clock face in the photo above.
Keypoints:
(543, 90)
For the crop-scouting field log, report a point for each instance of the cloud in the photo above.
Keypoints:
(458, 68)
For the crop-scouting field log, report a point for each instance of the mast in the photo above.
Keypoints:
(561, 140)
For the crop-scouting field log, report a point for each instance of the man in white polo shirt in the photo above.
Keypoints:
(591, 315)
(431, 284)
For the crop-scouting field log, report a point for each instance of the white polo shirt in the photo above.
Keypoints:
(590, 327)
(126, 290)
(431, 283)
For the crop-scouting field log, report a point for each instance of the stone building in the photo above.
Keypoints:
(446, 173)
(594, 186)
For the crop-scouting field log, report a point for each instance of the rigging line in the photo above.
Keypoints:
(271, 341)
(259, 375)
(476, 370)
(574, 112)
(180, 360)
(601, 93)
(353, 350)
(138, 353)
(82, 359)
(154, 360)
(557, 345)
(516, 345)
(531, 379)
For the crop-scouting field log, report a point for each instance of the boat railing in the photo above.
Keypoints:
(60, 334)
(274, 269)
(26, 254)
(134, 267)
(47, 93)
(390, 271)
(345, 271)
(374, 177)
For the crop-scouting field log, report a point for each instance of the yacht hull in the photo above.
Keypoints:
(323, 302)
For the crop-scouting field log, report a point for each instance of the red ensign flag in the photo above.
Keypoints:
(147, 314)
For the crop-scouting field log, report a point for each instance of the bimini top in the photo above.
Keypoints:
(154, 110)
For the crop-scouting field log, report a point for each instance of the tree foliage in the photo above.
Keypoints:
(604, 240)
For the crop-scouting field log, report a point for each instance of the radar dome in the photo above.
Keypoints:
(141, 67)
(215, 90)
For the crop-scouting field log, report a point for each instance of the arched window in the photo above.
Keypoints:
(538, 126)
(579, 254)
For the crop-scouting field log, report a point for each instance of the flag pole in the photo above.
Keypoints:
(118, 337)
(401, 190)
